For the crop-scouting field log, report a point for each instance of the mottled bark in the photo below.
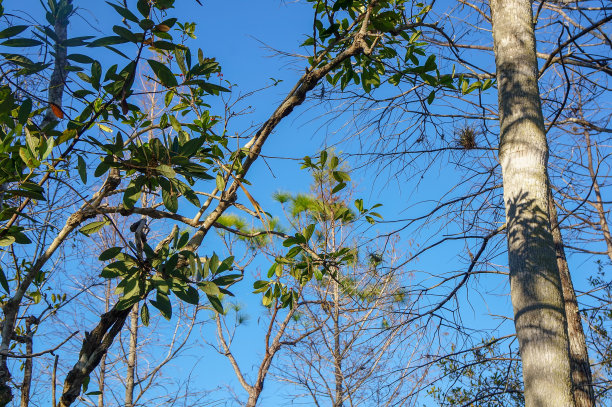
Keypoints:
(539, 313)
(95, 345)
(579, 357)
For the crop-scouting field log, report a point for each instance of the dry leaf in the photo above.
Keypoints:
(57, 111)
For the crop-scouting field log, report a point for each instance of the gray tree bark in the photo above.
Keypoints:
(537, 300)
(580, 366)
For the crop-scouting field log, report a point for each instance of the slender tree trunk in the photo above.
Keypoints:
(537, 300)
(102, 377)
(54, 381)
(131, 365)
(56, 90)
(603, 221)
(338, 378)
(27, 369)
(579, 356)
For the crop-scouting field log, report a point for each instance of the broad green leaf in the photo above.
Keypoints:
(101, 169)
(166, 171)
(132, 194)
(216, 303)
(109, 253)
(209, 288)
(162, 303)
(220, 182)
(93, 227)
(163, 73)
(189, 295)
(170, 200)
(115, 269)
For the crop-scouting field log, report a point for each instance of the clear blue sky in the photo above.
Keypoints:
(235, 32)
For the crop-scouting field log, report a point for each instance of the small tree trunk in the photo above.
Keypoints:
(54, 381)
(131, 365)
(539, 311)
(603, 221)
(579, 356)
(338, 378)
(102, 377)
(27, 369)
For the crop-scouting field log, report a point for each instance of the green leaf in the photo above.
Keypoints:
(12, 31)
(162, 303)
(166, 171)
(431, 97)
(96, 74)
(21, 42)
(338, 187)
(124, 33)
(170, 200)
(4, 281)
(144, 314)
(227, 280)
(124, 12)
(115, 269)
(7, 240)
(216, 303)
(308, 231)
(132, 194)
(106, 41)
(101, 169)
(93, 227)
(109, 253)
(209, 288)
(220, 182)
(82, 169)
(143, 7)
(190, 295)
(163, 73)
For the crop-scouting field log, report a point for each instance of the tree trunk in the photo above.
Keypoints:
(95, 345)
(599, 205)
(579, 356)
(55, 92)
(27, 366)
(131, 365)
(338, 378)
(539, 313)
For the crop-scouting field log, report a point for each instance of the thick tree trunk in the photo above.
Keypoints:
(579, 356)
(539, 313)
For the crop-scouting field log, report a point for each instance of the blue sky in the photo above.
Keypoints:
(235, 32)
